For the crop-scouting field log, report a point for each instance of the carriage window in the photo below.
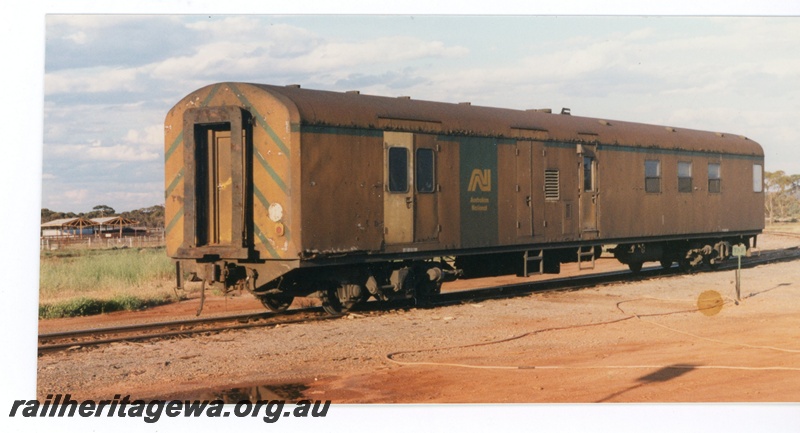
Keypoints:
(758, 178)
(425, 170)
(398, 169)
(588, 173)
(684, 177)
(713, 177)
(652, 175)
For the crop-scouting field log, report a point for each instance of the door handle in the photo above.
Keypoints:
(528, 201)
(409, 202)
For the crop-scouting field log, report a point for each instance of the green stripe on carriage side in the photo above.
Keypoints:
(174, 221)
(264, 202)
(173, 146)
(272, 173)
(563, 145)
(179, 138)
(260, 197)
(680, 152)
(497, 140)
(260, 120)
(257, 231)
(210, 96)
(173, 184)
(341, 130)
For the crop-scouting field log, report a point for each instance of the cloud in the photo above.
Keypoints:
(93, 80)
(285, 50)
(83, 41)
(111, 79)
(135, 145)
(75, 195)
(152, 135)
(120, 196)
(388, 80)
(95, 151)
(210, 51)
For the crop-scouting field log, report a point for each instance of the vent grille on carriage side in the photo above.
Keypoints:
(551, 189)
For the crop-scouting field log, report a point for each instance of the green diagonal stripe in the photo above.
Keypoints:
(210, 95)
(174, 221)
(272, 173)
(260, 119)
(266, 203)
(267, 245)
(173, 184)
(260, 197)
(173, 146)
(179, 138)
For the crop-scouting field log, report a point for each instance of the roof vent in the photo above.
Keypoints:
(721, 135)
(540, 110)
(465, 103)
(294, 86)
(403, 97)
(566, 111)
(604, 122)
(353, 92)
(669, 128)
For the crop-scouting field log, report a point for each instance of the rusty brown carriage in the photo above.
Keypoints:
(292, 192)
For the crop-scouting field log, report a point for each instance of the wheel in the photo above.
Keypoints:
(331, 303)
(635, 267)
(340, 300)
(277, 303)
(666, 263)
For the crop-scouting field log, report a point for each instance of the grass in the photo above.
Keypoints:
(85, 282)
(88, 306)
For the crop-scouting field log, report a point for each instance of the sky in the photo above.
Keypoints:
(109, 80)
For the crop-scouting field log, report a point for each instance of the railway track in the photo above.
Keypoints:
(58, 341)
(70, 340)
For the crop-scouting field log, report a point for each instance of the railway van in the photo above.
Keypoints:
(285, 192)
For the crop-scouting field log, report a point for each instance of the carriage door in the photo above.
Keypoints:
(524, 189)
(398, 198)
(215, 162)
(587, 200)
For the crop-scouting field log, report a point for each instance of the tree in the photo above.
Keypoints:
(151, 217)
(102, 210)
(782, 190)
(48, 215)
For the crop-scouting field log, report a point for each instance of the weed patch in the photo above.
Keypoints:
(89, 306)
(80, 283)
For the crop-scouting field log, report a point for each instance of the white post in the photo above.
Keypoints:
(739, 251)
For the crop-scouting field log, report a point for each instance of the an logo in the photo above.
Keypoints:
(480, 180)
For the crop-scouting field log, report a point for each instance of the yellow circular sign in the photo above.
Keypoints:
(710, 302)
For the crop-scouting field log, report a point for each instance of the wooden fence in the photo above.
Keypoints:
(76, 242)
